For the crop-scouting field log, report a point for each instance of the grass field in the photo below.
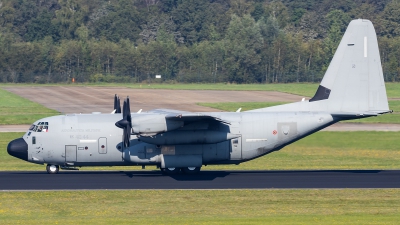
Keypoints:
(345, 206)
(303, 89)
(233, 106)
(323, 150)
(17, 110)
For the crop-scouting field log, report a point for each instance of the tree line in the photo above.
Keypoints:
(240, 41)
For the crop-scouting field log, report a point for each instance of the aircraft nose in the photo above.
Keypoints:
(18, 148)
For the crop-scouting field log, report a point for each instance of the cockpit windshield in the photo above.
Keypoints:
(40, 127)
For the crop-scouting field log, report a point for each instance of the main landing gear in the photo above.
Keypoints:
(52, 169)
(176, 170)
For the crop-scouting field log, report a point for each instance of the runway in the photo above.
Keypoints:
(71, 99)
(76, 180)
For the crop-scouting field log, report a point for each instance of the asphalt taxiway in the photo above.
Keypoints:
(83, 180)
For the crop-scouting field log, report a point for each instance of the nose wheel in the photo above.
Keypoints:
(52, 169)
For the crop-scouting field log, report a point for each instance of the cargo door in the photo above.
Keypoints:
(70, 153)
(102, 145)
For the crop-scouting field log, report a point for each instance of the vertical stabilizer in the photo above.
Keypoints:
(354, 80)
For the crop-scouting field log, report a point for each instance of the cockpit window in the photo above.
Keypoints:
(40, 127)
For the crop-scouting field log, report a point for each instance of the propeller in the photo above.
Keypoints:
(126, 123)
(117, 104)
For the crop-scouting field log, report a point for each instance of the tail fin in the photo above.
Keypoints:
(354, 80)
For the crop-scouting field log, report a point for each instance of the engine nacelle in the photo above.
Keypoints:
(153, 124)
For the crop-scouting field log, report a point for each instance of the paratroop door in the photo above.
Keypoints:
(102, 145)
(236, 148)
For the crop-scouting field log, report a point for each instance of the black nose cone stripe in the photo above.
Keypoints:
(18, 148)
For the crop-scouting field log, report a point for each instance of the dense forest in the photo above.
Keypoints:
(238, 41)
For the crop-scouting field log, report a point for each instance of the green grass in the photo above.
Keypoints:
(345, 206)
(323, 150)
(303, 89)
(393, 90)
(17, 110)
(233, 106)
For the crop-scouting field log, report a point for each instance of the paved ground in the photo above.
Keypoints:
(77, 180)
(101, 99)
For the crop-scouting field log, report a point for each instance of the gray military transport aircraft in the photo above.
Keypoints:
(352, 88)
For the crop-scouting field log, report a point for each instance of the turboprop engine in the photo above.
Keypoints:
(149, 125)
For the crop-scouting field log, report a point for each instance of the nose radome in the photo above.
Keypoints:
(18, 148)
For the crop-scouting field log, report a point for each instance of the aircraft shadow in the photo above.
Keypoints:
(201, 176)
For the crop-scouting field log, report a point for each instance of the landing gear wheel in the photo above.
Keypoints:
(191, 170)
(170, 171)
(52, 169)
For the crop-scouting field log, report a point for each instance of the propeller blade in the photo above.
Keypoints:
(117, 104)
(115, 101)
(128, 106)
(125, 123)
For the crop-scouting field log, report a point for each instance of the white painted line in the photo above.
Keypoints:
(365, 47)
(87, 141)
(255, 140)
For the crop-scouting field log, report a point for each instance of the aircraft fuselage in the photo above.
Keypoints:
(94, 140)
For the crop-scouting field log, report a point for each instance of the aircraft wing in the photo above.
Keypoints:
(186, 117)
(192, 117)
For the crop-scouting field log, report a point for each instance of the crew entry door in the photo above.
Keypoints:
(70, 153)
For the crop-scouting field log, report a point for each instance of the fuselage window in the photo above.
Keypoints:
(235, 141)
(33, 126)
(41, 127)
(33, 140)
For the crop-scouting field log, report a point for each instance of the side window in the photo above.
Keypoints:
(33, 140)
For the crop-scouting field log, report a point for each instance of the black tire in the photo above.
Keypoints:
(52, 169)
(191, 170)
(170, 171)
